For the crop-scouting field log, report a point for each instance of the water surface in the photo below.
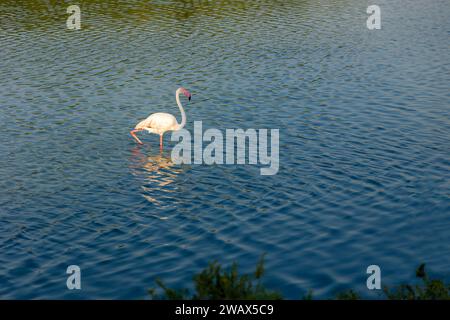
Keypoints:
(364, 125)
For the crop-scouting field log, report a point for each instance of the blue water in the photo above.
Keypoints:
(364, 119)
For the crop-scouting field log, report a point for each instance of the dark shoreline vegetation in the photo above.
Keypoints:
(216, 283)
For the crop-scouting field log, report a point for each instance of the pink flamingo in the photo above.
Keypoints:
(161, 122)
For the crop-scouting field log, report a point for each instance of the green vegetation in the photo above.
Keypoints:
(216, 283)
(430, 289)
(347, 295)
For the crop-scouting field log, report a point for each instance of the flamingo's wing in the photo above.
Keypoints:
(160, 121)
(145, 124)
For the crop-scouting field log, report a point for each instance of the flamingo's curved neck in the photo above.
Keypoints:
(183, 115)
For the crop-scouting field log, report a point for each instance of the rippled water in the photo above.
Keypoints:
(364, 123)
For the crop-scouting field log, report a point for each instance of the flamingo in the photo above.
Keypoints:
(161, 122)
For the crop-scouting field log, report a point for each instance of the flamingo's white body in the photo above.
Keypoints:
(161, 122)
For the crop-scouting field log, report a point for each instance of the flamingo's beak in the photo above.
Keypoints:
(186, 93)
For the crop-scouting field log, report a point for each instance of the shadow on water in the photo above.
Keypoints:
(51, 13)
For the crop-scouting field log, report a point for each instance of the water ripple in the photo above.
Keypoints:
(364, 125)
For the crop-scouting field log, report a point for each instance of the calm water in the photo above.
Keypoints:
(364, 119)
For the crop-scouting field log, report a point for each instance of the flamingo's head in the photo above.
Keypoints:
(186, 93)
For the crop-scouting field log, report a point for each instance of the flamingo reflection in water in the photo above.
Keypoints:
(158, 174)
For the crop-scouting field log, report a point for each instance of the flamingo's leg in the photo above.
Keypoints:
(133, 133)
(160, 142)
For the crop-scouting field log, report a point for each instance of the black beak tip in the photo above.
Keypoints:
(189, 98)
